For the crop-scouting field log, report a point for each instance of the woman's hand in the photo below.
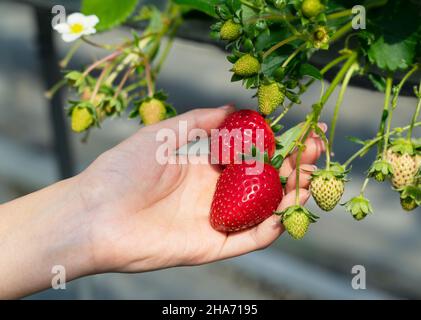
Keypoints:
(146, 216)
(129, 213)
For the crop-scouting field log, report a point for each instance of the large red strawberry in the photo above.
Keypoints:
(241, 126)
(243, 199)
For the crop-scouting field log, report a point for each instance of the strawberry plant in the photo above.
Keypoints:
(270, 44)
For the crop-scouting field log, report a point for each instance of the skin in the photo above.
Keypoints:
(127, 213)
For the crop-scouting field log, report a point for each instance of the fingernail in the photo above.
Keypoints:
(323, 126)
(226, 107)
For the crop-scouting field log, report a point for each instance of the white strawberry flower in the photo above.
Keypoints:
(76, 26)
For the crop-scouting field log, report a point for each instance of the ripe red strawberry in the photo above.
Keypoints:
(226, 151)
(243, 200)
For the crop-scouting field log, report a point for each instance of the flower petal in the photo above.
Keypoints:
(70, 37)
(62, 28)
(76, 18)
(91, 21)
(89, 31)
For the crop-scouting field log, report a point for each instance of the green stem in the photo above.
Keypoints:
(63, 63)
(365, 184)
(341, 32)
(250, 5)
(98, 45)
(279, 44)
(402, 83)
(293, 55)
(373, 142)
(338, 78)
(386, 109)
(50, 93)
(345, 84)
(416, 114)
(283, 114)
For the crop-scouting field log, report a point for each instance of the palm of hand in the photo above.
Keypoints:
(158, 215)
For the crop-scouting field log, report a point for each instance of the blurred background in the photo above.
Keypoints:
(196, 75)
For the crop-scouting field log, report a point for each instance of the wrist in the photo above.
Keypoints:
(40, 231)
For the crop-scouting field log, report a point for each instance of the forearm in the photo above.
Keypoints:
(39, 231)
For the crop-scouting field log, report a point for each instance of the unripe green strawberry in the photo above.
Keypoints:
(359, 207)
(82, 119)
(380, 170)
(296, 220)
(230, 31)
(152, 111)
(410, 197)
(246, 66)
(327, 186)
(311, 8)
(404, 168)
(408, 204)
(270, 96)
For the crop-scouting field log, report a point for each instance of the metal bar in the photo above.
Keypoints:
(51, 74)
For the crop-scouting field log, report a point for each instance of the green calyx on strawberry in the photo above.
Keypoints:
(359, 207)
(311, 8)
(328, 186)
(245, 196)
(403, 158)
(230, 30)
(296, 220)
(270, 96)
(410, 197)
(239, 133)
(246, 66)
(381, 170)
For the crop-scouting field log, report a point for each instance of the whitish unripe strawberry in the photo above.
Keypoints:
(152, 111)
(404, 168)
(270, 96)
(230, 31)
(82, 119)
(327, 186)
(246, 66)
(311, 8)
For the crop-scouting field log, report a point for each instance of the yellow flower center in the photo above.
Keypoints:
(76, 28)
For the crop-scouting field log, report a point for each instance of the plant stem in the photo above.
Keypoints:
(401, 84)
(123, 81)
(373, 142)
(98, 83)
(97, 45)
(365, 184)
(416, 114)
(345, 84)
(63, 63)
(293, 55)
(280, 44)
(50, 93)
(386, 110)
(341, 31)
(250, 5)
(338, 78)
(149, 80)
(96, 64)
(283, 114)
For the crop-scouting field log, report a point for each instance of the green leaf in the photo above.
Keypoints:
(310, 71)
(205, 6)
(396, 29)
(111, 13)
(287, 141)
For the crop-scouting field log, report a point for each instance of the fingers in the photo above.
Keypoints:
(314, 148)
(262, 235)
(305, 175)
(191, 124)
